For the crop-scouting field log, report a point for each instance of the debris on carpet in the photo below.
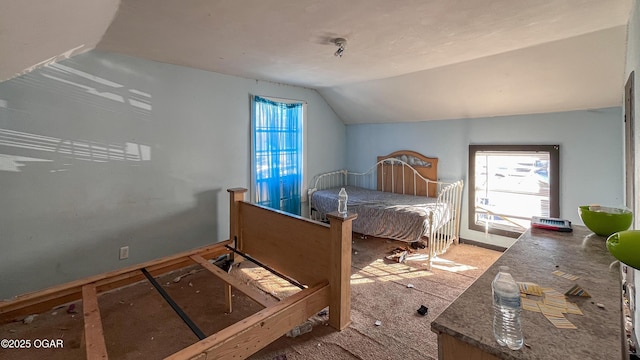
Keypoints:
(398, 255)
(418, 245)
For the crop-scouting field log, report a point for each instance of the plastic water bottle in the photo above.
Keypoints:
(303, 328)
(506, 310)
(342, 202)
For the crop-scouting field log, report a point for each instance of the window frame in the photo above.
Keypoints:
(554, 181)
(252, 147)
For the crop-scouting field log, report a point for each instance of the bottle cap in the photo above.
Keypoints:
(504, 268)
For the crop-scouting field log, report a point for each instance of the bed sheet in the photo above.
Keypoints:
(382, 214)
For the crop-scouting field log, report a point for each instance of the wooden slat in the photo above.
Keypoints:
(248, 336)
(291, 245)
(46, 299)
(228, 298)
(93, 333)
(256, 295)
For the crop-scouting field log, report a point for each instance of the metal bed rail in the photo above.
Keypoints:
(444, 222)
(369, 178)
(441, 236)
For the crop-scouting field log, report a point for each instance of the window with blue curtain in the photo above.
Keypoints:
(277, 154)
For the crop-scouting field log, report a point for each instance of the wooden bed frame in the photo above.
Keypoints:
(403, 172)
(314, 254)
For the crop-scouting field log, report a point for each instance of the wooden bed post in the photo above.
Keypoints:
(340, 273)
(236, 195)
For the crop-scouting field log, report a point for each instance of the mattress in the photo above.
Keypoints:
(382, 214)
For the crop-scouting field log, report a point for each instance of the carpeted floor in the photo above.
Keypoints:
(390, 293)
(139, 324)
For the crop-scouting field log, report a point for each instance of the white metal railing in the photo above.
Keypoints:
(441, 236)
(369, 178)
(448, 197)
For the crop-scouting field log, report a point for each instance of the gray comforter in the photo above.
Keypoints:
(383, 214)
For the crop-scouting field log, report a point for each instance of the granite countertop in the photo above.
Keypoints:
(533, 258)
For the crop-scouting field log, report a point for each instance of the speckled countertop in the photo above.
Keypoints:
(533, 258)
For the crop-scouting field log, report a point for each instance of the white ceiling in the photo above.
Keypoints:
(406, 60)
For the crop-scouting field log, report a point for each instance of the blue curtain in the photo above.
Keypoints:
(278, 154)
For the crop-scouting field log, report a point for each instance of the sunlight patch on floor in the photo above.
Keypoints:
(267, 282)
(415, 267)
(448, 265)
(379, 270)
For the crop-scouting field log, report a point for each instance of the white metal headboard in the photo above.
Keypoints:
(369, 178)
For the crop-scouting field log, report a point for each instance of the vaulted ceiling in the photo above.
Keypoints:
(405, 60)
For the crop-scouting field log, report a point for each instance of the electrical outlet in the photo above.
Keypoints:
(124, 252)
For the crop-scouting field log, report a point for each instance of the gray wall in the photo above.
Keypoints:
(591, 152)
(633, 64)
(102, 150)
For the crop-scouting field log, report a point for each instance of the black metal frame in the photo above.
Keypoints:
(187, 320)
(271, 270)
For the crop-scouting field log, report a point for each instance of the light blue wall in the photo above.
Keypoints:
(591, 152)
(69, 196)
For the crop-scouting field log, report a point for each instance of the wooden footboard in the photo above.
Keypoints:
(305, 250)
(315, 254)
(309, 252)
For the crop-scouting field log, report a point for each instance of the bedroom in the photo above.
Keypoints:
(64, 217)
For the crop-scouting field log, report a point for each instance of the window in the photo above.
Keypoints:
(277, 153)
(508, 184)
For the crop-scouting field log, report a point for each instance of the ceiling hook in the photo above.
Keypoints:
(341, 43)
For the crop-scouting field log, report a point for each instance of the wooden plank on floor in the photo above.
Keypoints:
(256, 295)
(248, 336)
(93, 333)
(43, 300)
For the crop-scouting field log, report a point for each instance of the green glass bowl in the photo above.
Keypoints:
(605, 221)
(625, 246)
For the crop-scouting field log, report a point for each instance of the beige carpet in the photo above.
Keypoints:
(138, 323)
(390, 293)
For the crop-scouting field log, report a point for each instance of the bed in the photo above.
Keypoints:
(399, 197)
(313, 255)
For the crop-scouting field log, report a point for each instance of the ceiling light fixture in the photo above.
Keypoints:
(341, 43)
